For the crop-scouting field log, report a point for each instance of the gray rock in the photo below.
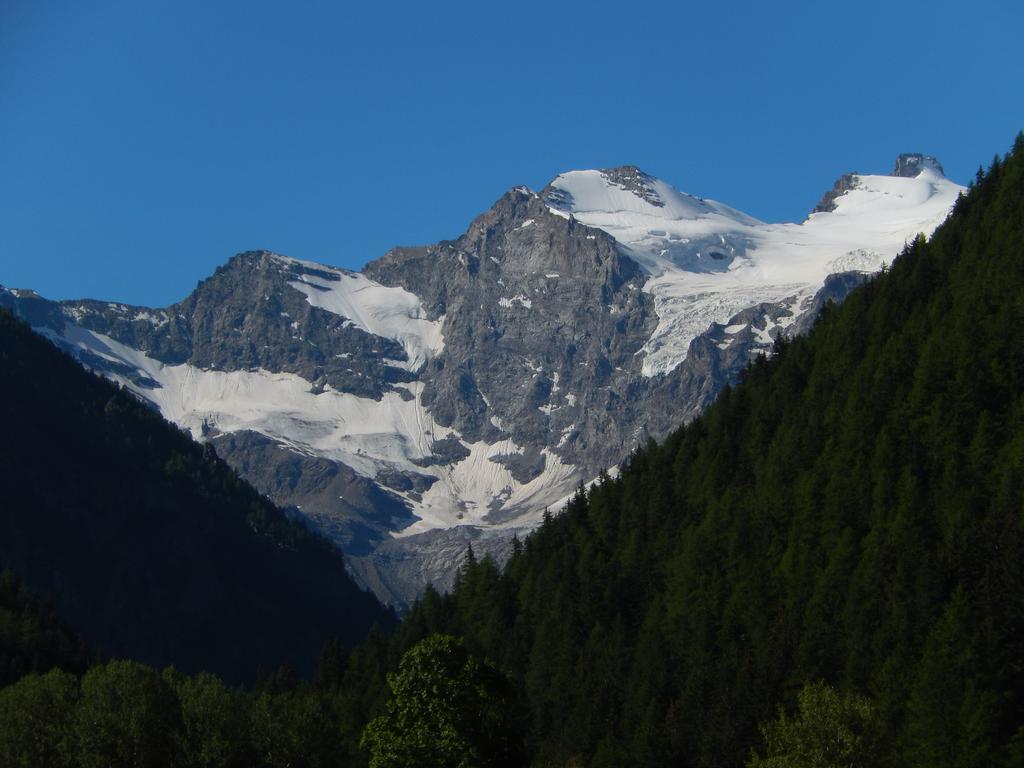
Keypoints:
(351, 510)
(631, 178)
(843, 184)
(247, 317)
(433, 558)
(537, 307)
(910, 165)
(447, 450)
(836, 288)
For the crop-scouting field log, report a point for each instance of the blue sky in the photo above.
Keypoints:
(143, 143)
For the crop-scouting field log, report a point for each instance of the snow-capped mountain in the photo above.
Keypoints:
(708, 261)
(453, 392)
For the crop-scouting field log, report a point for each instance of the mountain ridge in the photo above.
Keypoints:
(473, 383)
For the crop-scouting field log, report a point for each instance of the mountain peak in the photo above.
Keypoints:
(522, 190)
(562, 193)
(909, 165)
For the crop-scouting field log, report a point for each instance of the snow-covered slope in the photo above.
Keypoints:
(391, 313)
(708, 261)
(394, 434)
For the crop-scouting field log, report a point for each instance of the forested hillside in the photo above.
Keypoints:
(852, 512)
(148, 545)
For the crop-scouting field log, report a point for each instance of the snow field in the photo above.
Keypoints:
(367, 435)
(392, 313)
(708, 261)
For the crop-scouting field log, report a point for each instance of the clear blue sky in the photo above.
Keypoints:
(142, 143)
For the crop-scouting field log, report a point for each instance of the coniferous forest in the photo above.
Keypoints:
(826, 568)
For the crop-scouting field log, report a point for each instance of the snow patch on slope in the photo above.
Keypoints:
(392, 313)
(484, 486)
(521, 299)
(368, 435)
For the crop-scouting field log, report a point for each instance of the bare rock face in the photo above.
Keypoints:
(543, 320)
(354, 511)
(910, 165)
(247, 317)
(433, 558)
(843, 184)
(631, 178)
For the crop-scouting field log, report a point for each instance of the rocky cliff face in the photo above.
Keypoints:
(843, 184)
(910, 165)
(543, 320)
(246, 317)
(450, 393)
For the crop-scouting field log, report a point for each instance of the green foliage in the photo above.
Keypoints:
(214, 723)
(830, 730)
(37, 721)
(449, 710)
(950, 711)
(127, 715)
(293, 728)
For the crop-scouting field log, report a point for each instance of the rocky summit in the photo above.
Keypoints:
(452, 393)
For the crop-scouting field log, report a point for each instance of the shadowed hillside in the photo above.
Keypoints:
(147, 543)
